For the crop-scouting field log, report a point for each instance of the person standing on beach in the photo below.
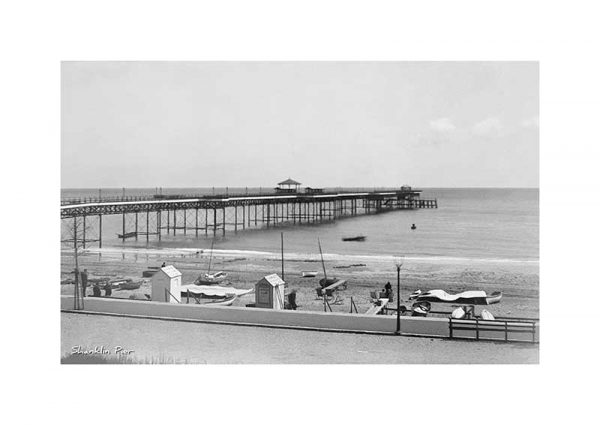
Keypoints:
(389, 292)
(84, 281)
(108, 290)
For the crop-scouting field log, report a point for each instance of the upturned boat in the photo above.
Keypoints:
(421, 308)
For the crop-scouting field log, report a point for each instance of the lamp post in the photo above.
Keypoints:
(398, 267)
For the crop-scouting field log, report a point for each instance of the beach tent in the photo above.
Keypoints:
(270, 292)
(166, 285)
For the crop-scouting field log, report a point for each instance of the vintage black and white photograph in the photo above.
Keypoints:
(317, 212)
(299, 212)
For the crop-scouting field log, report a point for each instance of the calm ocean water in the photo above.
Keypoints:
(472, 224)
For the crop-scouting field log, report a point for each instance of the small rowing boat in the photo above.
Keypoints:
(421, 308)
(309, 274)
(130, 285)
(211, 278)
(466, 297)
(355, 239)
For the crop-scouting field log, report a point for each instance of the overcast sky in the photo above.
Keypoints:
(237, 124)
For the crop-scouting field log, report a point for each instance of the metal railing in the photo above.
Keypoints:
(503, 328)
(223, 194)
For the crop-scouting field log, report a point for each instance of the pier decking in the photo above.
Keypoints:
(209, 215)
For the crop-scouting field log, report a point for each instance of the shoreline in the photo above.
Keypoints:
(296, 256)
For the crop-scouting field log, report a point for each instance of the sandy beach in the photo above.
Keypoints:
(519, 281)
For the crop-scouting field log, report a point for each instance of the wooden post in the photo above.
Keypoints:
(159, 224)
(100, 229)
(196, 222)
(83, 231)
(449, 324)
(214, 222)
(477, 329)
(185, 222)
(136, 226)
(147, 225)
(268, 214)
(223, 221)
(174, 221)
(235, 219)
(244, 214)
(123, 225)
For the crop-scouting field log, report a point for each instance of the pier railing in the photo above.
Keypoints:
(227, 194)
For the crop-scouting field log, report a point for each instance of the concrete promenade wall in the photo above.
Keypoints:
(258, 316)
(430, 326)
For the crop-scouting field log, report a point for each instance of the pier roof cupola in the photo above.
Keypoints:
(288, 185)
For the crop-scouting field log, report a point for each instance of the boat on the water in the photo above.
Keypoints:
(466, 297)
(354, 239)
(421, 308)
(309, 274)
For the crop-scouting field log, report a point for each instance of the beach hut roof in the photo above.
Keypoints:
(289, 182)
(170, 271)
(273, 280)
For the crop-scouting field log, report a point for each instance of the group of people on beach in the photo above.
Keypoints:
(96, 290)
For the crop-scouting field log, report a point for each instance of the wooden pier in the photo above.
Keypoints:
(212, 215)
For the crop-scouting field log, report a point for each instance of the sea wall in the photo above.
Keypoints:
(435, 327)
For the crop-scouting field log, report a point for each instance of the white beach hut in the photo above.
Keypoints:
(166, 285)
(270, 292)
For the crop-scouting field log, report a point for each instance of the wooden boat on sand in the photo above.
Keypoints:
(466, 297)
(421, 308)
(209, 278)
(129, 285)
(309, 274)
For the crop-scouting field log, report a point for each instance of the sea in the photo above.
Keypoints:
(470, 225)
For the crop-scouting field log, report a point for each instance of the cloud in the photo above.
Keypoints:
(488, 127)
(533, 122)
(442, 125)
